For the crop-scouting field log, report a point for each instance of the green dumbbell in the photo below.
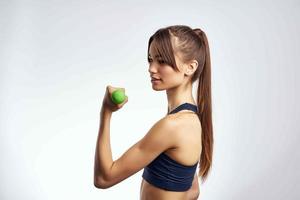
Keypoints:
(118, 96)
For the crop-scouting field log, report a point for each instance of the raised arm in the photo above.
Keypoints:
(107, 172)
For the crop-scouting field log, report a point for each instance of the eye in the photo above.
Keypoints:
(161, 61)
(149, 60)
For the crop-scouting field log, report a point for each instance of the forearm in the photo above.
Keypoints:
(103, 154)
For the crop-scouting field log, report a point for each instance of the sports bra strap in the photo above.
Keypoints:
(184, 106)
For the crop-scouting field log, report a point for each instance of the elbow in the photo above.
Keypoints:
(100, 183)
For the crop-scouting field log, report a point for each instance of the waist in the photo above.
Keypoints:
(150, 192)
(169, 180)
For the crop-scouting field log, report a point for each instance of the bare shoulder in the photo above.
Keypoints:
(161, 132)
(187, 134)
(186, 120)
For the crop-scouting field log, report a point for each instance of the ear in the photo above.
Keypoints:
(191, 67)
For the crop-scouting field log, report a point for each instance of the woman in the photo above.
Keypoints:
(171, 150)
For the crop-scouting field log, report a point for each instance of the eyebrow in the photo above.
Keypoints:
(157, 56)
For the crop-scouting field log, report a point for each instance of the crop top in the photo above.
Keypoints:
(166, 173)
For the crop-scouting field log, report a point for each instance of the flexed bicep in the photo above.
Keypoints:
(156, 141)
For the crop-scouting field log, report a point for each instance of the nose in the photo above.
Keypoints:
(152, 68)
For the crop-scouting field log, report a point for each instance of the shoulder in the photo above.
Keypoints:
(162, 131)
(167, 123)
(185, 122)
(160, 137)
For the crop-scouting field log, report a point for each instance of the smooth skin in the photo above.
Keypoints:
(178, 135)
(186, 151)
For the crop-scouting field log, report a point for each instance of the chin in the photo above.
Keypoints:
(157, 88)
(162, 87)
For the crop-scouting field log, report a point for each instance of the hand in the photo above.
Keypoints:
(108, 104)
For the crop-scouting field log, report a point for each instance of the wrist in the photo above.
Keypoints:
(105, 111)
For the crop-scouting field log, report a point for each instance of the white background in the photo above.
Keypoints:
(56, 58)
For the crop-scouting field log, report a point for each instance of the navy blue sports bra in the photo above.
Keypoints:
(166, 173)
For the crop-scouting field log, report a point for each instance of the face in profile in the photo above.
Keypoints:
(163, 76)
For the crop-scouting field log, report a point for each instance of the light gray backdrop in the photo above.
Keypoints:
(58, 56)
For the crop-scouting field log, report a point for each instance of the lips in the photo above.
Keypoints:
(155, 79)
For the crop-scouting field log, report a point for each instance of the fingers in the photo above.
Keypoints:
(122, 104)
(111, 89)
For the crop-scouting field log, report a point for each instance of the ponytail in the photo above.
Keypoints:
(205, 109)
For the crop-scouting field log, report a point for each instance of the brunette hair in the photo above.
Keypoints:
(191, 44)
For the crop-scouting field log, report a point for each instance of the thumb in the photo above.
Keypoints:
(126, 100)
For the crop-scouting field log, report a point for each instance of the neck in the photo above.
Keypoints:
(179, 95)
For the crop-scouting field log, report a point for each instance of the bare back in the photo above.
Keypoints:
(186, 152)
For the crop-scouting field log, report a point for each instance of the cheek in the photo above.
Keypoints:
(167, 71)
(171, 76)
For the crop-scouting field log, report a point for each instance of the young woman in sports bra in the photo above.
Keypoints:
(178, 143)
